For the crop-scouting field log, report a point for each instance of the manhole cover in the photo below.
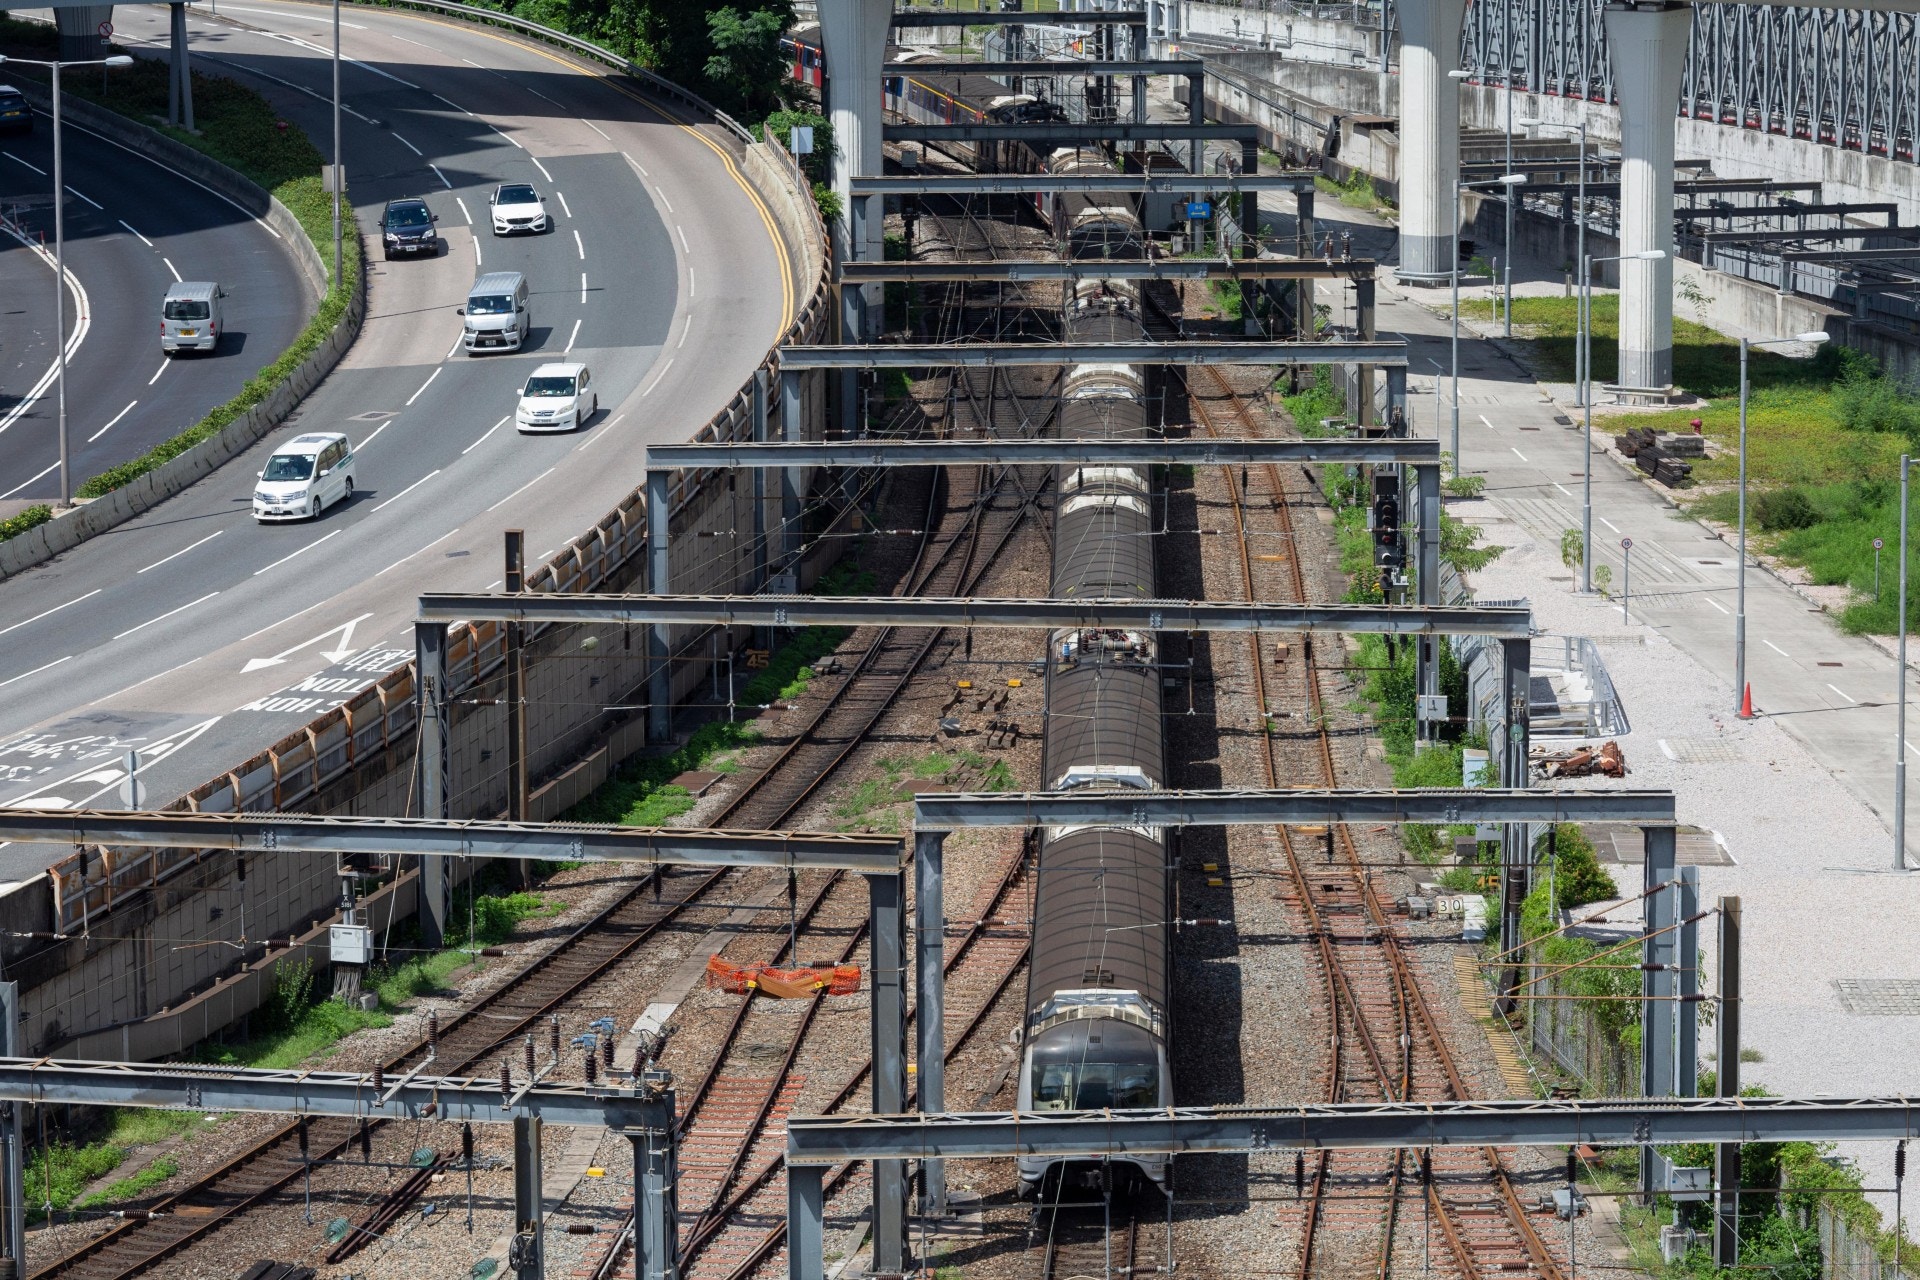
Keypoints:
(1880, 997)
(372, 415)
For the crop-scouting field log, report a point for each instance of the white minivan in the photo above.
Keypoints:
(304, 477)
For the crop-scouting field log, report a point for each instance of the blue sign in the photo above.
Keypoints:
(1199, 209)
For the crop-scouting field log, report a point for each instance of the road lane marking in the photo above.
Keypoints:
(89, 199)
(182, 551)
(83, 322)
(423, 386)
(1610, 524)
(50, 612)
(409, 146)
(339, 653)
(403, 40)
(693, 285)
(376, 431)
(36, 671)
(510, 138)
(542, 168)
(597, 129)
(572, 337)
(116, 417)
(476, 251)
(522, 489)
(561, 196)
(172, 268)
(302, 551)
(1776, 648)
(470, 62)
(685, 330)
(630, 160)
(142, 239)
(30, 479)
(544, 98)
(483, 439)
(440, 175)
(409, 489)
(456, 106)
(164, 362)
(583, 288)
(1483, 418)
(1716, 604)
(168, 614)
(683, 237)
(411, 554)
(656, 378)
(1562, 488)
(463, 210)
(600, 434)
(455, 347)
(17, 160)
(580, 244)
(1518, 454)
(1842, 692)
(275, 13)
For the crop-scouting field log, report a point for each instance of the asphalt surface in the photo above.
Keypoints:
(663, 273)
(133, 227)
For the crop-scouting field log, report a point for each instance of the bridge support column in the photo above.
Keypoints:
(887, 1012)
(659, 582)
(930, 954)
(855, 34)
(79, 28)
(1430, 139)
(430, 705)
(1649, 46)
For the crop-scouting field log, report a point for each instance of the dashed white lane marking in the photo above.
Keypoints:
(583, 288)
(455, 347)
(47, 613)
(463, 210)
(1610, 524)
(89, 199)
(168, 614)
(683, 237)
(542, 168)
(510, 138)
(572, 337)
(423, 387)
(36, 671)
(693, 285)
(376, 431)
(29, 480)
(273, 13)
(1483, 418)
(544, 98)
(629, 159)
(116, 417)
(1776, 648)
(411, 554)
(164, 362)
(580, 244)
(17, 160)
(409, 146)
(409, 489)
(172, 268)
(561, 196)
(136, 235)
(1562, 488)
(656, 377)
(685, 330)
(597, 129)
(483, 439)
(470, 62)
(476, 251)
(1716, 604)
(1842, 692)
(182, 551)
(440, 175)
(1518, 454)
(302, 551)
(523, 488)
(403, 40)
(456, 106)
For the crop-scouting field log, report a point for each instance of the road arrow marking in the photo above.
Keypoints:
(339, 653)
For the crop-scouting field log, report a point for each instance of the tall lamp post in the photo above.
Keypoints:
(1580, 231)
(1586, 398)
(1506, 89)
(60, 250)
(1740, 610)
(1506, 181)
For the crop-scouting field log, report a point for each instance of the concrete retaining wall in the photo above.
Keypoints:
(71, 528)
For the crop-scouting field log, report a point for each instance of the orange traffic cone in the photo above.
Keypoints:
(1746, 703)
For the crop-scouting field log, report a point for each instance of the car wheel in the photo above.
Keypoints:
(348, 495)
(387, 254)
(579, 419)
(313, 508)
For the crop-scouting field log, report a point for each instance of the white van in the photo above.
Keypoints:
(304, 477)
(190, 316)
(558, 397)
(496, 312)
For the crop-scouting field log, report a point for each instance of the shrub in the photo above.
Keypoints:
(1788, 508)
(32, 518)
(1578, 878)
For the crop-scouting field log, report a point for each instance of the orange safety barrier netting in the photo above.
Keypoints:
(833, 980)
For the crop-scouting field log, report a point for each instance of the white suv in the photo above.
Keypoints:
(304, 477)
(558, 397)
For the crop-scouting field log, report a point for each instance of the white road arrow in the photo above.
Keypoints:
(339, 653)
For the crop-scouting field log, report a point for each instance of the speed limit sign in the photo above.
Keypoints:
(106, 30)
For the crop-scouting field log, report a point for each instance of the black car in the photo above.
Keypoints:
(407, 227)
(15, 115)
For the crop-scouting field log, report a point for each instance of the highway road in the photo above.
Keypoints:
(198, 637)
(134, 227)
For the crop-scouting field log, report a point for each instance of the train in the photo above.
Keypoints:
(1096, 1028)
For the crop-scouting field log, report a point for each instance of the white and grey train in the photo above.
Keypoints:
(1096, 1029)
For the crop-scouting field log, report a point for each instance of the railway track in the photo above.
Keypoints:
(1386, 1043)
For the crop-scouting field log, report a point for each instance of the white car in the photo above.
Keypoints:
(558, 397)
(518, 207)
(304, 477)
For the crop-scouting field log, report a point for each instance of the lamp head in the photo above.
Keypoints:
(1815, 336)
(1459, 75)
(119, 60)
(1510, 180)
(1649, 255)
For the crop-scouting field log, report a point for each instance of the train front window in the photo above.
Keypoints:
(1090, 1086)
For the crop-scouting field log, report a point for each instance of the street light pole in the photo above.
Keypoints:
(60, 252)
(1900, 746)
(1584, 346)
(336, 144)
(1506, 91)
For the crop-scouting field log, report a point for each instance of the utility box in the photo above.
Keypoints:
(351, 944)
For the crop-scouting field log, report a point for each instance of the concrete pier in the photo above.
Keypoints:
(855, 34)
(1430, 139)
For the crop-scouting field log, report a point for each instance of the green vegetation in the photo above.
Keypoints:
(291, 1026)
(873, 804)
(239, 128)
(816, 164)
(1357, 192)
(1316, 401)
(58, 1173)
(132, 1186)
(32, 518)
(1388, 689)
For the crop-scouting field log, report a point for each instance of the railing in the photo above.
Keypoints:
(375, 727)
(1602, 714)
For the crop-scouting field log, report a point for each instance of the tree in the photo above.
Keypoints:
(744, 68)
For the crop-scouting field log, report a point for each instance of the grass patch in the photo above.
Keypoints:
(239, 128)
(1317, 401)
(1357, 192)
(58, 1173)
(32, 518)
(873, 805)
(133, 1186)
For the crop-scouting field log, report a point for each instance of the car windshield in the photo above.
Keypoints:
(408, 216)
(559, 386)
(289, 466)
(490, 305)
(12, 100)
(519, 193)
(186, 309)
(1089, 1086)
